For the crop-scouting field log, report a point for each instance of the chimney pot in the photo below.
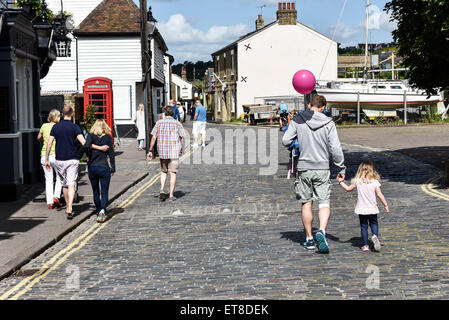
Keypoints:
(259, 22)
(287, 14)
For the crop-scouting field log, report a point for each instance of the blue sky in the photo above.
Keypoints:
(193, 29)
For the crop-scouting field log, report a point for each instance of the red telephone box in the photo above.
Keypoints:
(98, 92)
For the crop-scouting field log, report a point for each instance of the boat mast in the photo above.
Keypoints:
(365, 70)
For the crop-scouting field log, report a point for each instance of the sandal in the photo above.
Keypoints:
(69, 215)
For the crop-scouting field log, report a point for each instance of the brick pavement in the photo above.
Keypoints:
(233, 234)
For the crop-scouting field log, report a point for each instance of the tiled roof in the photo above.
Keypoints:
(121, 16)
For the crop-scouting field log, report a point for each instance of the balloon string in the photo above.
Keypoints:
(333, 37)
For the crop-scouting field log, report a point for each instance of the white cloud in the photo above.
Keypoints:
(380, 20)
(351, 35)
(188, 43)
(346, 35)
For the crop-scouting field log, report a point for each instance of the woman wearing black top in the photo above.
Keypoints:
(100, 171)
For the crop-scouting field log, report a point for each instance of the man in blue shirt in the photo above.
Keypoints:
(177, 115)
(199, 124)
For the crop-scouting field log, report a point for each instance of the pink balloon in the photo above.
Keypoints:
(304, 81)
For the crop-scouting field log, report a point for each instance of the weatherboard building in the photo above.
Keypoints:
(107, 43)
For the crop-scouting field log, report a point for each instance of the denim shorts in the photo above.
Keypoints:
(313, 185)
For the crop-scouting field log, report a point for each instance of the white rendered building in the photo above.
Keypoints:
(260, 65)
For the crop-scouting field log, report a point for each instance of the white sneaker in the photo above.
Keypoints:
(194, 146)
(203, 145)
(376, 242)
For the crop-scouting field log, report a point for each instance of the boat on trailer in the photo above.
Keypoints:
(375, 95)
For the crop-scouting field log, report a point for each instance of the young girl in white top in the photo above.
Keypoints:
(367, 182)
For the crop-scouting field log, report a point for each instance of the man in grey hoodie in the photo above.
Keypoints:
(318, 141)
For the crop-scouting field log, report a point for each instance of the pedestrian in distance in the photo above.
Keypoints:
(192, 112)
(140, 124)
(367, 183)
(185, 113)
(176, 114)
(181, 112)
(318, 141)
(199, 124)
(284, 116)
(169, 134)
(99, 169)
(52, 192)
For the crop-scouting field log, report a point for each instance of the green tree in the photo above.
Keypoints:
(194, 70)
(89, 117)
(350, 51)
(36, 7)
(422, 37)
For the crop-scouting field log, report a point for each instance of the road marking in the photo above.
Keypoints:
(429, 188)
(138, 192)
(47, 264)
(82, 240)
(59, 262)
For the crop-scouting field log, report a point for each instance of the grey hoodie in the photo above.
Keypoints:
(318, 140)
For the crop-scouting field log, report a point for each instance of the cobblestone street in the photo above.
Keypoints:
(234, 234)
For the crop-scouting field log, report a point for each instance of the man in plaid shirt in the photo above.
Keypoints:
(169, 134)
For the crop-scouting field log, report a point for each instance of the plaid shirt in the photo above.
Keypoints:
(168, 132)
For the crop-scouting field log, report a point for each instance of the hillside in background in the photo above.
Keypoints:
(195, 71)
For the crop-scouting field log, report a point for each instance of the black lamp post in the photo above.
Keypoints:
(46, 32)
(62, 28)
(149, 28)
(44, 29)
(151, 22)
(61, 40)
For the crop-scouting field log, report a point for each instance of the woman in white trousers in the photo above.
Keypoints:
(52, 194)
(140, 124)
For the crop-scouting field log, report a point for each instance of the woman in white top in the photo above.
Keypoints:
(52, 195)
(140, 124)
